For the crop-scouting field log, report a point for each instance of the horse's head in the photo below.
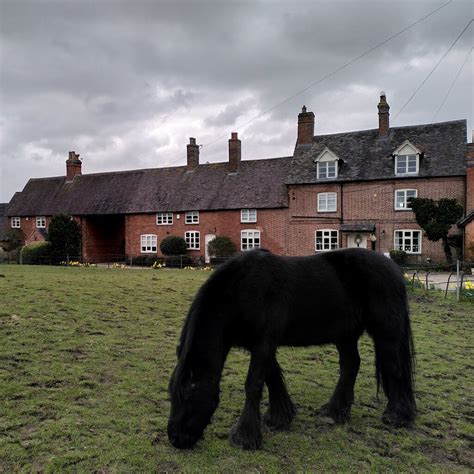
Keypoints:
(193, 402)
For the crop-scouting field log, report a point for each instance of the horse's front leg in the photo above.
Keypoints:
(339, 406)
(247, 432)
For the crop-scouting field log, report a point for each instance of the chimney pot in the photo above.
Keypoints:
(192, 154)
(384, 115)
(234, 153)
(73, 166)
(305, 127)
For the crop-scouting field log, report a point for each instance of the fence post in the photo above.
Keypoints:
(457, 281)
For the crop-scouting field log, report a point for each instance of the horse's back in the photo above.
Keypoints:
(318, 299)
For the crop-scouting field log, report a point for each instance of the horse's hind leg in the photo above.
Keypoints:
(339, 406)
(247, 432)
(281, 411)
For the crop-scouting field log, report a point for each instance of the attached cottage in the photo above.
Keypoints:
(340, 190)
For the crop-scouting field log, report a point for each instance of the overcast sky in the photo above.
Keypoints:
(125, 84)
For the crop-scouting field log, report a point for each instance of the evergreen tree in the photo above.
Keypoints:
(436, 218)
(64, 233)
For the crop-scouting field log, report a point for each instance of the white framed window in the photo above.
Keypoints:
(406, 164)
(192, 240)
(248, 215)
(15, 222)
(326, 239)
(191, 217)
(164, 218)
(327, 202)
(408, 240)
(401, 199)
(327, 169)
(41, 222)
(249, 239)
(148, 243)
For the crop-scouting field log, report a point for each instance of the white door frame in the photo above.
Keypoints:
(207, 239)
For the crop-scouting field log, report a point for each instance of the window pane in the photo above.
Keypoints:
(411, 163)
(322, 170)
(401, 164)
(331, 169)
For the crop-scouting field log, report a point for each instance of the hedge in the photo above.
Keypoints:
(36, 253)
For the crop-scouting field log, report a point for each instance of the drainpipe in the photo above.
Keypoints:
(342, 206)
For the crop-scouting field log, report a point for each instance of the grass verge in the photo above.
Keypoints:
(86, 355)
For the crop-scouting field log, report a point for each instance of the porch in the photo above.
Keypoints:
(103, 238)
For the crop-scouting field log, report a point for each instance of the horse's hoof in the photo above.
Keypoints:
(391, 418)
(245, 438)
(331, 416)
(277, 421)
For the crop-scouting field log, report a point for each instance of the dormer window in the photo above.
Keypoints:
(407, 159)
(326, 165)
(406, 164)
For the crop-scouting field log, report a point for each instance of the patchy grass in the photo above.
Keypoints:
(86, 354)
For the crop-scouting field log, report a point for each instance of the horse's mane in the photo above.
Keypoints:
(224, 273)
(183, 351)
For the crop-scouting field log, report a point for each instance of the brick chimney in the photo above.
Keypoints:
(193, 155)
(470, 175)
(73, 166)
(384, 122)
(305, 127)
(234, 153)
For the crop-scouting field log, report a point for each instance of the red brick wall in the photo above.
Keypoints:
(272, 224)
(364, 202)
(28, 226)
(470, 177)
(469, 241)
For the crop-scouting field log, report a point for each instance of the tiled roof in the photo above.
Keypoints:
(366, 155)
(358, 227)
(257, 184)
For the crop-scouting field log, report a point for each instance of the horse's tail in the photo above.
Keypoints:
(395, 362)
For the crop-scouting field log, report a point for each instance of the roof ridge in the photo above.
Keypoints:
(392, 128)
(165, 168)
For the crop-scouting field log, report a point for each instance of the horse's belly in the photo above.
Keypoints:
(321, 329)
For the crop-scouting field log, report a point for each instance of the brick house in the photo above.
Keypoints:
(339, 190)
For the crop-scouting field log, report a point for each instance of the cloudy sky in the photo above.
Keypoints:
(126, 83)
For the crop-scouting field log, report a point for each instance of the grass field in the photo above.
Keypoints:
(86, 355)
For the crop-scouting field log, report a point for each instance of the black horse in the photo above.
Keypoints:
(260, 301)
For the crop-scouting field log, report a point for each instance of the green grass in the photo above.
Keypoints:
(86, 355)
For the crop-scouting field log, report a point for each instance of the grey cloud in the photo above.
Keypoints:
(129, 82)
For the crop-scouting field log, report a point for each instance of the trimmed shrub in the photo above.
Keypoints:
(221, 246)
(37, 253)
(173, 245)
(399, 256)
